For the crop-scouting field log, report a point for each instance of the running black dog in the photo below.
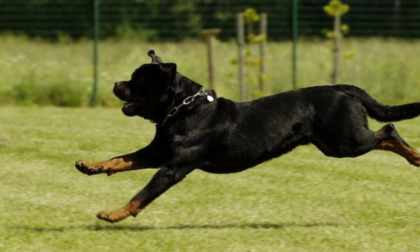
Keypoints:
(196, 130)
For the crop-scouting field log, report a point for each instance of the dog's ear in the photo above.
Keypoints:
(169, 71)
(155, 58)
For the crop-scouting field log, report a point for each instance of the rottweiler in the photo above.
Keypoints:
(195, 129)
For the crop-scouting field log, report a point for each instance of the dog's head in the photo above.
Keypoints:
(148, 92)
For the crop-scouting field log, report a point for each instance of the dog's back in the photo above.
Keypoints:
(331, 117)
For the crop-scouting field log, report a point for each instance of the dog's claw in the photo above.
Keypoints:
(86, 169)
(115, 216)
(105, 217)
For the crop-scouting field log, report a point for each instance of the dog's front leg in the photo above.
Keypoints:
(161, 181)
(147, 157)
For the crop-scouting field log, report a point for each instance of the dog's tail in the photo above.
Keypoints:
(378, 111)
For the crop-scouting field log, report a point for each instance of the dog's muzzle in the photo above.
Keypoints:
(121, 91)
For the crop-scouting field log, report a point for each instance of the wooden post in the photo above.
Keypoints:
(241, 42)
(263, 31)
(210, 35)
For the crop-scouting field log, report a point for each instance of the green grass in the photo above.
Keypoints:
(302, 201)
(41, 73)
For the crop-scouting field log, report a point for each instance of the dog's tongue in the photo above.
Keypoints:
(129, 104)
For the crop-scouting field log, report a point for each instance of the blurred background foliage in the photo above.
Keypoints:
(183, 19)
(46, 46)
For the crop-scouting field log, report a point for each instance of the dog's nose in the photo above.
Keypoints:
(117, 84)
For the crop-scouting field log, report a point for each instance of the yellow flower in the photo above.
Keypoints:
(336, 8)
(251, 15)
(247, 53)
(257, 94)
(329, 34)
(345, 28)
(259, 38)
(251, 37)
(264, 79)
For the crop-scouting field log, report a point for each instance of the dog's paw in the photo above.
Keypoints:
(415, 160)
(413, 157)
(113, 216)
(88, 168)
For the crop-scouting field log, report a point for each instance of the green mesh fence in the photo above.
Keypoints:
(182, 19)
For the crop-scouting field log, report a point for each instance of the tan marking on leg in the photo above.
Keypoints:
(402, 149)
(119, 164)
(131, 209)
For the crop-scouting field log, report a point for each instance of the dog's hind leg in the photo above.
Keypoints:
(391, 141)
(161, 181)
(387, 138)
(349, 143)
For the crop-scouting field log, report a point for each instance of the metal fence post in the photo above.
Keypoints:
(294, 38)
(241, 41)
(94, 97)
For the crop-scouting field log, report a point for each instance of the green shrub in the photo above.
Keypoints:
(38, 88)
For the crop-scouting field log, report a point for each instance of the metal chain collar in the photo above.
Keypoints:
(186, 101)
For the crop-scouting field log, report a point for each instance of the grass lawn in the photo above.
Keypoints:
(302, 201)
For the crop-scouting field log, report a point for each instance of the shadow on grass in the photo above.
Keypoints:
(110, 227)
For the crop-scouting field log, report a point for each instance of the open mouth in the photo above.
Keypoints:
(131, 108)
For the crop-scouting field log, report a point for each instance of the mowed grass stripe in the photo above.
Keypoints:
(302, 201)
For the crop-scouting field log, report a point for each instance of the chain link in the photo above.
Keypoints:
(186, 101)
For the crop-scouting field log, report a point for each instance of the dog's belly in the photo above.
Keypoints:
(223, 168)
(222, 163)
